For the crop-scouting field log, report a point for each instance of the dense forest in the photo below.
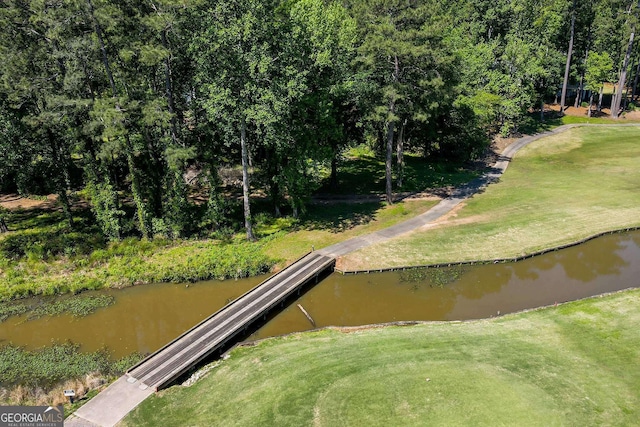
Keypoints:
(136, 103)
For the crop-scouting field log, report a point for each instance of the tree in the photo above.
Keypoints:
(598, 71)
(235, 62)
(322, 46)
(35, 81)
(567, 67)
(622, 83)
(401, 55)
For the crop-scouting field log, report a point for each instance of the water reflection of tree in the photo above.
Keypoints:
(635, 238)
(584, 263)
(483, 280)
(599, 257)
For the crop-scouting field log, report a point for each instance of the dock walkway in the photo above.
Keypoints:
(176, 358)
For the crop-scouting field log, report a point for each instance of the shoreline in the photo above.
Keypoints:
(491, 261)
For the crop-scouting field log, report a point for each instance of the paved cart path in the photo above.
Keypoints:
(446, 205)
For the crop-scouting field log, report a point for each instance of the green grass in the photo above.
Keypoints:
(36, 263)
(553, 120)
(327, 224)
(557, 190)
(574, 365)
(568, 120)
(143, 262)
(41, 255)
(361, 172)
(39, 377)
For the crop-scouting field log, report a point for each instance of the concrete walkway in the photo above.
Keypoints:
(110, 405)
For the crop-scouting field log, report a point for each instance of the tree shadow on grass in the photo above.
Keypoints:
(362, 175)
(43, 234)
(533, 125)
(422, 175)
(27, 219)
(366, 176)
(339, 217)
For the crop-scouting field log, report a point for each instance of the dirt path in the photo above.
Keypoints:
(16, 201)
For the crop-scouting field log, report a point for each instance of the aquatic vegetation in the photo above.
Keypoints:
(436, 277)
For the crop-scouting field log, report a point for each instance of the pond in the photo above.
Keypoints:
(144, 318)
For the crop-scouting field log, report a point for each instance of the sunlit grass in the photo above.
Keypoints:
(557, 190)
(333, 223)
(571, 365)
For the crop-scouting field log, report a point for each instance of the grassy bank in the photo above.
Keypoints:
(562, 189)
(334, 223)
(128, 263)
(575, 364)
(557, 190)
(41, 256)
(39, 377)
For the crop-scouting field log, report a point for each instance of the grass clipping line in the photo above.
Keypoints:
(575, 364)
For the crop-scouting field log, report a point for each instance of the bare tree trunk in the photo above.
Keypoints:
(635, 82)
(334, 171)
(389, 186)
(581, 91)
(627, 85)
(169, 89)
(542, 110)
(400, 154)
(578, 99)
(245, 181)
(590, 104)
(615, 91)
(390, 125)
(615, 107)
(600, 98)
(567, 67)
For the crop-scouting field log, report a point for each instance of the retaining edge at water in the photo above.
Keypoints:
(491, 261)
(402, 323)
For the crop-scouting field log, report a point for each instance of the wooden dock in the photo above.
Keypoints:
(174, 359)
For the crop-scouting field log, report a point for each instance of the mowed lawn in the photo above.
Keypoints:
(557, 190)
(577, 364)
(328, 224)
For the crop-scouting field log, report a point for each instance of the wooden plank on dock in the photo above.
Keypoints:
(171, 361)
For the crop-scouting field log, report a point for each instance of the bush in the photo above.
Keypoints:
(104, 204)
(43, 245)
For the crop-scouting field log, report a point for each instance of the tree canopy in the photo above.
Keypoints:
(129, 100)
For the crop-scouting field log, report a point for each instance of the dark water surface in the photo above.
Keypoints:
(146, 317)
